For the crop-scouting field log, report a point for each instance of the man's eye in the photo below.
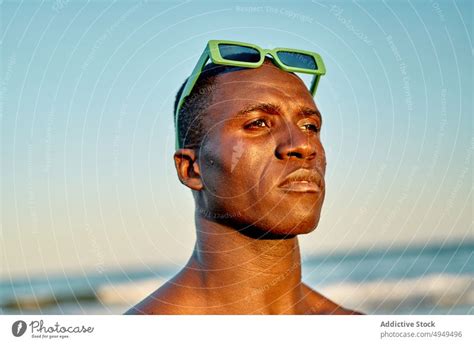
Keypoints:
(312, 127)
(259, 123)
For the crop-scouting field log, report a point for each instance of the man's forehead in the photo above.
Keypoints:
(268, 73)
(267, 81)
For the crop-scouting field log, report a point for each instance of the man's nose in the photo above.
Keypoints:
(295, 143)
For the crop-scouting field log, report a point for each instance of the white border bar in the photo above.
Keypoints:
(240, 329)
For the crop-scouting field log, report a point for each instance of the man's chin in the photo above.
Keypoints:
(296, 228)
(286, 229)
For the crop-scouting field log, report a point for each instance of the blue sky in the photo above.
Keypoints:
(87, 89)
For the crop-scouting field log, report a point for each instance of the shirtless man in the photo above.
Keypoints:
(253, 159)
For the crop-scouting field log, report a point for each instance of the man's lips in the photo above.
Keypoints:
(302, 180)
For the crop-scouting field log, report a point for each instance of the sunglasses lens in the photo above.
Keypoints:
(239, 53)
(298, 60)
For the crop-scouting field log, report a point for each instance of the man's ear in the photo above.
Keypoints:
(188, 169)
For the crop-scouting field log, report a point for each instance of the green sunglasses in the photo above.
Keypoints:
(238, 54)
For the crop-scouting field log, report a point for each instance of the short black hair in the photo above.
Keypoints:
(190, 128)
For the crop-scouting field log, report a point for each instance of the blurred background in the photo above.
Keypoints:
(93, 217)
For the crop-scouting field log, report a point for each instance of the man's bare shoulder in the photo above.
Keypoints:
(319, 304)
(171, 298)
(151, 305)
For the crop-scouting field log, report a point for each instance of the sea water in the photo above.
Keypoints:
(430, 279)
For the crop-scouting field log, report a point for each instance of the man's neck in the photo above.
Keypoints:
(245, 274)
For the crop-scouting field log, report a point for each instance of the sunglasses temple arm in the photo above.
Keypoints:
(314, 84)
(189, 87)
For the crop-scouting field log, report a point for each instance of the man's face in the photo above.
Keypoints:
(262, 161)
